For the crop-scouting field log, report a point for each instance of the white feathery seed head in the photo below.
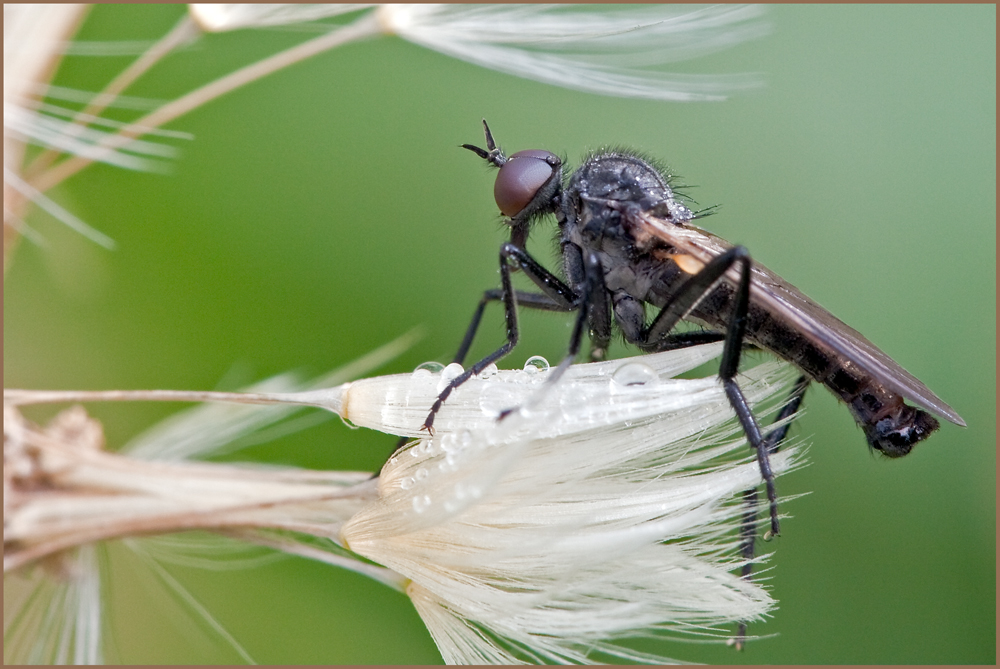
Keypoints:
(606, 509)
(607, 52)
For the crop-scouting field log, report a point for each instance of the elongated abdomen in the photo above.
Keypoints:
(890, 425)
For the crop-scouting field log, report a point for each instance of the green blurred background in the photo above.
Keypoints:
(326, 210)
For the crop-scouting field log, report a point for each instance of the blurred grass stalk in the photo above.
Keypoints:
(466, 528)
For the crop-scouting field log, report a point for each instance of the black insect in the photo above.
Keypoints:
(627, 241)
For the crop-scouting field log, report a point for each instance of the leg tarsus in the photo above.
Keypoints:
(742, 408)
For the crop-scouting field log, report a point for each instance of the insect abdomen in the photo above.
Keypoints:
(890, 426)
(894, 427)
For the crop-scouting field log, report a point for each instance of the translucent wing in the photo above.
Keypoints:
(782, 299)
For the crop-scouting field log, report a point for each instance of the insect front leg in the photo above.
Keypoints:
(560, 297)
(593, 309)
(529, 300)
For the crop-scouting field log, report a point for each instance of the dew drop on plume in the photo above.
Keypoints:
(536, 364)
(427, 369)
(632, 376)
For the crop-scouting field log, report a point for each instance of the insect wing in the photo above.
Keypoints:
(781, 298)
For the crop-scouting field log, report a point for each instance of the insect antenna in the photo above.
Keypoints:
(492, 153)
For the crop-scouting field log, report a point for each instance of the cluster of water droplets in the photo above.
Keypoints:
(494, 398)
(586, 400)
(451, 371)
(445, 373)
(507, 391)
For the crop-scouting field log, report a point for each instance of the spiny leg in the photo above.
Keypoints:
(748, 521)
(562, 297)
(593, 310)
(529, 300)
(690, 293)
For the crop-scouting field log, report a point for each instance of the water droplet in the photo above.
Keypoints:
(448, 441)
(536, 364)
(421, 474)
(427, 369)
(455, 441)
(421, 502)
(452, 371)
(528, 410)
(406, 483)
(633, 375)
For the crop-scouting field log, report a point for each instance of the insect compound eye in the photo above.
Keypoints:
(521, 178)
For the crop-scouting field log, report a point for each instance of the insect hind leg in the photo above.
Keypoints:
(686, 298)
(748, 521)
(730, 363)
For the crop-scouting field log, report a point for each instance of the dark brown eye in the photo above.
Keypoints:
(521, 177)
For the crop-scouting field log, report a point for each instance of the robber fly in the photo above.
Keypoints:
(627, 241)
